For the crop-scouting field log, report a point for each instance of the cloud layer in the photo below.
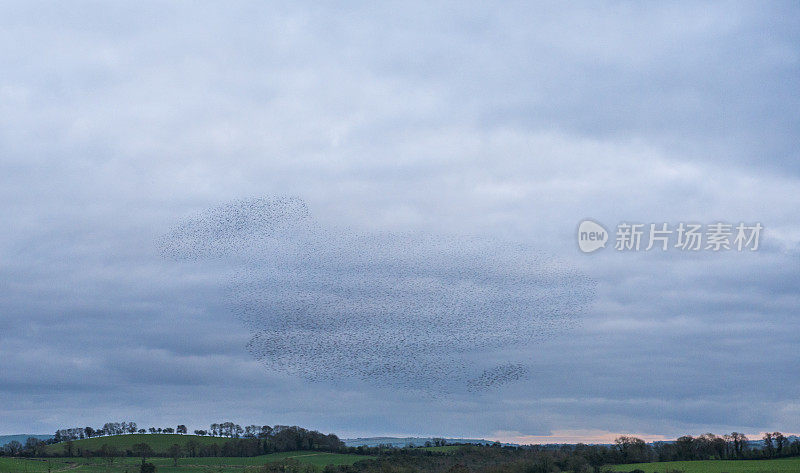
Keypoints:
(509, 124)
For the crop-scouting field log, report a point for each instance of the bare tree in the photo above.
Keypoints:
(769, 445)
(780, 442)
(109, 454)
(175, 452)
(143, 450)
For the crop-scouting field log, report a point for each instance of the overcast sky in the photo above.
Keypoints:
(117, 121)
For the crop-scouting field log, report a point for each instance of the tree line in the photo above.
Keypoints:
(733, 446)
(111, 428)
(222, 429)
(251, 440)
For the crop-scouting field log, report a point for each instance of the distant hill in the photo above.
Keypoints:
(21, 438)
(158, 442)
(403, 441)
(759, 443)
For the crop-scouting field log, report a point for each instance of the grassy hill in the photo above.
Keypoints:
(782, 465)
(158, 442)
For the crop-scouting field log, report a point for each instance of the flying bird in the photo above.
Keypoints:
(416, 311)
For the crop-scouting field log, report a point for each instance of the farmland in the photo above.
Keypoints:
(86, 457)
(115, 454)
(185, 465)
(320, 459)
(783, 465)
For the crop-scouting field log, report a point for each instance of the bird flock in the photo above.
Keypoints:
(417, 311)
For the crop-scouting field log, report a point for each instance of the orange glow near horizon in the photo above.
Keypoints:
(570, 436)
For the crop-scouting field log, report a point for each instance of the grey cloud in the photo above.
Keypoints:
(514, 124)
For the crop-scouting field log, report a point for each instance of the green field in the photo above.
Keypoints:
(164, 465)
(159, 442)
(783, 465)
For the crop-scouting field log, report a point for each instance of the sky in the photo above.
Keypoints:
(512, 124)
